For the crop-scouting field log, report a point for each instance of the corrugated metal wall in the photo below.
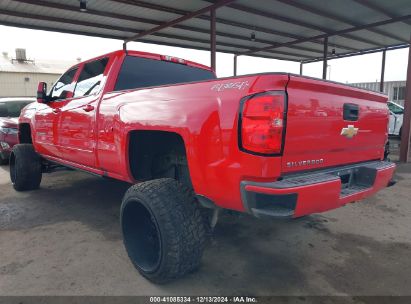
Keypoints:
(388, 88)
(23, 84)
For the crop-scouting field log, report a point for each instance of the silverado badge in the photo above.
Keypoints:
(349, 132)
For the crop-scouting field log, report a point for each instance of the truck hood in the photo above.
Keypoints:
(9, 122)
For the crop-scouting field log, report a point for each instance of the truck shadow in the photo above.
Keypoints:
(5, 168)
(234, 252)
(65, 196)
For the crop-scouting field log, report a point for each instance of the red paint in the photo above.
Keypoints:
(10, 139)
(314, 123)
(325, 196)
(92, 133)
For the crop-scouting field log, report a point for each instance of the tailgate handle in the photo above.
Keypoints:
(350, 111)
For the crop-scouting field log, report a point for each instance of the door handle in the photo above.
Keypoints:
(56, 110)
(88, 108)
(350, 111)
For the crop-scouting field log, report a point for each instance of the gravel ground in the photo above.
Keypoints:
(65, 239)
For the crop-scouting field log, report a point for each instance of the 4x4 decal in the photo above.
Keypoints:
(240, 85)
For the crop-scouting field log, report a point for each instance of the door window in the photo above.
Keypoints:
(64, 87)
(89, 81)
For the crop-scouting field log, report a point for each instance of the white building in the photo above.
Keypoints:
(20, 76)
(394, 89)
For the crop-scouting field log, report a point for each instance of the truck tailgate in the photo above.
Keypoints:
(330, 124)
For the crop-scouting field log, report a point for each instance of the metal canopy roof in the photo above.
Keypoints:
(284, 29)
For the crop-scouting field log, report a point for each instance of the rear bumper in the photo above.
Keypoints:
(301, 194)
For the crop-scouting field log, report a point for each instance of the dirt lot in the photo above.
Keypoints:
(65, 240)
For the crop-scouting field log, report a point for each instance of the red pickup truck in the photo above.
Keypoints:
(273, 144)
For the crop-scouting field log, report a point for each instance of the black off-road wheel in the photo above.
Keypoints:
(25, 168)
(163, 230)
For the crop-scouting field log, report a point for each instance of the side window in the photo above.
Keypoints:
(64, 85)
(90, 78)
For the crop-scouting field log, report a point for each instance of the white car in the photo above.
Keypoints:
(396, 117)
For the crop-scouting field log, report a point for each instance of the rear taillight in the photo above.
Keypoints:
(262, 123)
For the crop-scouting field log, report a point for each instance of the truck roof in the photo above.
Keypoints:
(144, 55)
(201, 66)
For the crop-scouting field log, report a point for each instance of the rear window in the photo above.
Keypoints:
(137, 72)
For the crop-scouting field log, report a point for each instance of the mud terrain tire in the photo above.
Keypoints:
(25, 168)
(163, 230)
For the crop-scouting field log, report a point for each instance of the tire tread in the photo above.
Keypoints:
(177, 208)
(26, 167)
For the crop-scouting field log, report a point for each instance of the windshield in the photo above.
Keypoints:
(395, 109)
(12, 108)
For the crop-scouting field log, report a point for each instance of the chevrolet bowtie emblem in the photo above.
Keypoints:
(349, 132)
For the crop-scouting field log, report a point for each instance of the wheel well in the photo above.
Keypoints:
(25, 134)
(157, 154)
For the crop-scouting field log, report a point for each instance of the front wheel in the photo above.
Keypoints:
(163, 230)
(25, 168)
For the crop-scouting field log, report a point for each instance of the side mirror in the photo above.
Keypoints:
(42, 92)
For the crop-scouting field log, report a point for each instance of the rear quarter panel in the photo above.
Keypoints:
(205, 115)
